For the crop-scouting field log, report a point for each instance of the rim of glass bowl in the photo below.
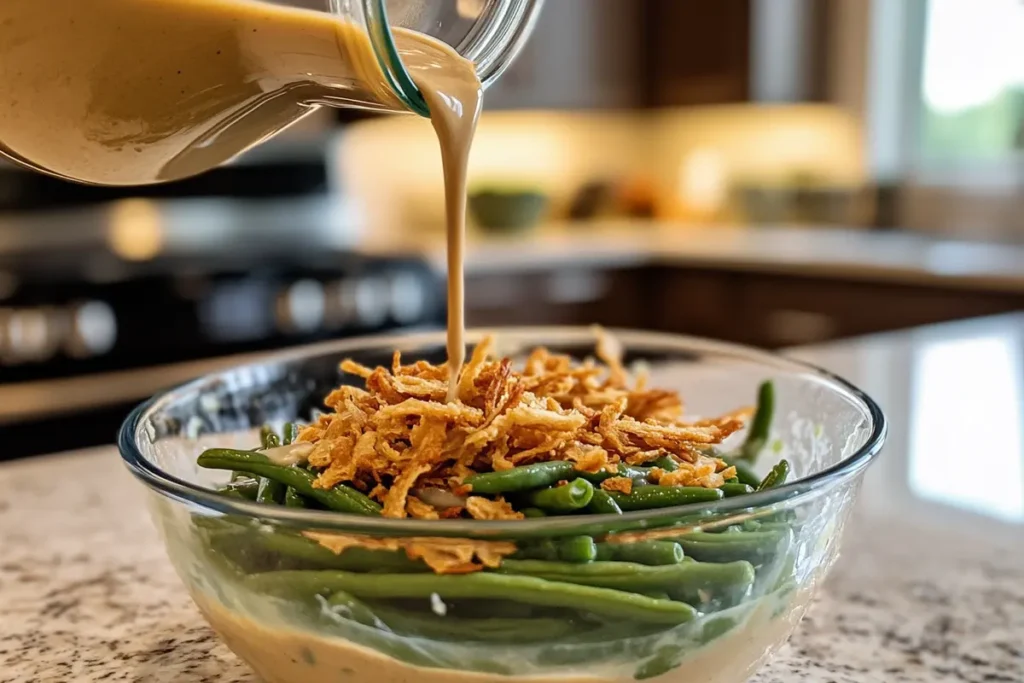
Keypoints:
(802, 489)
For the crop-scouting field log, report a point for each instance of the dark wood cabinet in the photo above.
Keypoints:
(785, 310)
(583, 54)
(767, 310)
(566, 296)
(697, 52)
(613, 54)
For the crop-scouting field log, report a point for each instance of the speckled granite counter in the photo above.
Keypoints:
(930, 587)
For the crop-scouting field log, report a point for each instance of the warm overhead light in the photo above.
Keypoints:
(135, 232)
(703, 180)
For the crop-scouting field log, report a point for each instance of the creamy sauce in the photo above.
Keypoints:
(128, 92)
(455, 98)
(292, 454)
(283, 654)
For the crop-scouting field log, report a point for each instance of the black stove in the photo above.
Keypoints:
(101, 306)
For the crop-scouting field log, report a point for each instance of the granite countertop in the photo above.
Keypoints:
(887, 257)
(929, 588)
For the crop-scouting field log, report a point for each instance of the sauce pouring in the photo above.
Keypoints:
(131, 92)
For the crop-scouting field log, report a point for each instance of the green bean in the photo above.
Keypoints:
(666, 659)
(246, 487)
(494, 586)
(217, 522)
(546, 549)
(658, 595)
(647, 497)
(270, 492)
(353, 558)
(744, 472)
(602, 504)
(565, 498)
(533, 513)
(262, 550)
(292, 499)
(521, 478)
(352, 608)
(505, 609)
(269, 439)
(232, 547)
(717, 627)
(777, 476)
(488, 629)
(572, 549)
(577, 549)
(638, 474)
(756, 547)
(340, 498)
(760, 426)
(290, 431)
(667, 463)
(642, 552)
(683, 581)
(732, 490)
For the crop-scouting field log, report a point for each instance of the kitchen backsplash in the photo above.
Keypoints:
(696, 161)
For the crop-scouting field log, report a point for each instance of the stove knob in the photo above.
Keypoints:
(408, 300)
(93, 330)
(341, 309)
(5, 314)
(372, 301)
(301, 308)
(31, 335)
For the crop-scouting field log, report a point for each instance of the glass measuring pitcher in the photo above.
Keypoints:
(129, 92)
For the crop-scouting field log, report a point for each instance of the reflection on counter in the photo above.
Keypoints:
(953, 395)
(966, 437)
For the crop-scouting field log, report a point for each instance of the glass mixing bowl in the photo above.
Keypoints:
(298, 612)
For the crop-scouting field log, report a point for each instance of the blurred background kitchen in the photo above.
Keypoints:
(772, 172)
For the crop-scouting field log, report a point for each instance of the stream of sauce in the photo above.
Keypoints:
(129, 92)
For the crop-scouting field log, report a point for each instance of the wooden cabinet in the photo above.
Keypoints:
(583, 54)
(773, 311)
(610, 54)
(563, 296)
(761, 309)
(697, 52)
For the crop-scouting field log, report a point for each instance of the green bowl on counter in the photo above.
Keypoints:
(507, 210)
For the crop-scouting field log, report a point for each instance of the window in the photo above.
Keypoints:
(943, 106)
(972, 83)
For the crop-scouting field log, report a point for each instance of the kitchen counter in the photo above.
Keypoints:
(222, 227)
(885, 257)
(930, 586)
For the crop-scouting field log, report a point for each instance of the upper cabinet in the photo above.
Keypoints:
(583, 54)
(613, 54)
(698, 52)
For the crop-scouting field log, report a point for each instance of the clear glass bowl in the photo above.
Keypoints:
(758, 557)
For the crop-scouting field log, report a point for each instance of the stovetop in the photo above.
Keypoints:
(136, 283)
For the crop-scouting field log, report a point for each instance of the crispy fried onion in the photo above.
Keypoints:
(443, 555)
(398, 435)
